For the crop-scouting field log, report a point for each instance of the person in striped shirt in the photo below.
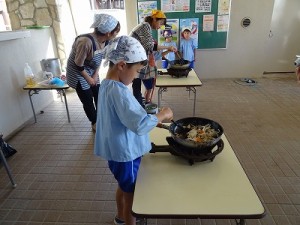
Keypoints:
(84, 62)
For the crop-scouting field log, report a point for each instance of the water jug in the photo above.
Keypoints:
(51, 65)
(29, 76)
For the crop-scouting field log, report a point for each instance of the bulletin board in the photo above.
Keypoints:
(212, 18)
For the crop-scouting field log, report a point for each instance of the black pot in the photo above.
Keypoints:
(179, 134)
(178, 64)
(191, 154)
(178, 72)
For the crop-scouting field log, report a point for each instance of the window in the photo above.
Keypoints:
(4, 17)
(107, 4)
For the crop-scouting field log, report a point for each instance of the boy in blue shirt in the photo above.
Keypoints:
(169, 42)
(187, 46)
(123, 125)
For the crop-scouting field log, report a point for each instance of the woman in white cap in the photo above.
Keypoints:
(85, 59)
(143, 33)
(123, 125)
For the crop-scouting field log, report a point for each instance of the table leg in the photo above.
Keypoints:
(59, 92)
(240, 222)
(159, 94)
(66, 103)
(194, 90)
(189, 90)
(30, 94)
(143, 221)
(152, 89)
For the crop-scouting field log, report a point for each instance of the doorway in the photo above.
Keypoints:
(83, 13)
(283, 41)
(4, 17)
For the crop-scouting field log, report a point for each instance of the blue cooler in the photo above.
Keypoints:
(164, 64)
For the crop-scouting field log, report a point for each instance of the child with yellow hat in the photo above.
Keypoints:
(143, 33)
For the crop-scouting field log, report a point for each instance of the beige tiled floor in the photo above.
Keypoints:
(61, 182)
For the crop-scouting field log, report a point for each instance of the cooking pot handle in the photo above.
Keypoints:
(220, 145)
(164, 126)
(157, 148)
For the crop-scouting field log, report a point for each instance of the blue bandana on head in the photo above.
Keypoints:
(125, 48)
(104, 23)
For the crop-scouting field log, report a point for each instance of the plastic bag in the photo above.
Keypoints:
(7, 149)
(57, 81)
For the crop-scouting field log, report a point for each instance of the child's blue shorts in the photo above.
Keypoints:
(148, 83)
(125, 173)
(192, 64)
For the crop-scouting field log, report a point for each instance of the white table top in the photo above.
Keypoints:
(168, 81)
(169, 187)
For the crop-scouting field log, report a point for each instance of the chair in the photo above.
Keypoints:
(2, 157)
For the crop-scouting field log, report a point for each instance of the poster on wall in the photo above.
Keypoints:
(202, 6)
(223, 7)
(170, 29)
(192, 24)
(223, 23)
(175, 5)
(208, 22)
(145, 9)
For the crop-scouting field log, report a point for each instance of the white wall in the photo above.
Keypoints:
(244, 56)
(15, 109)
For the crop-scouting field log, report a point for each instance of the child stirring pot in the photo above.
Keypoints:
(123, 125)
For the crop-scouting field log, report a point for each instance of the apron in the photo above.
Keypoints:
(74, 75)
(150, 71)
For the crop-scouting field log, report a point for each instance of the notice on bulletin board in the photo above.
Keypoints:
(223, 7)
(208, 22)
(175, 5)
(223, 23)
(145, 9)
(202, 6)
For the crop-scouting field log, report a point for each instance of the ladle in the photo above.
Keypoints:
(181, 60)
(180, 126)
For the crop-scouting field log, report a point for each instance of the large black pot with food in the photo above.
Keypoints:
(194, 138)
(179, 64)
(195, 132)
(178, 68)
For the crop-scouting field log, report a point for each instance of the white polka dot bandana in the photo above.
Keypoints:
(126, 49)
(104, 23)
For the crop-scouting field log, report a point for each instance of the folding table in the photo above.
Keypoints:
(169, 187)
(39, 87)
(163, 82)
